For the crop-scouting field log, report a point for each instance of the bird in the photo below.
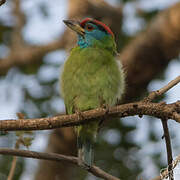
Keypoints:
(91, 78)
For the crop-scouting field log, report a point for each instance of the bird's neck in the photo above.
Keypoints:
(107, 43)
(85, 42)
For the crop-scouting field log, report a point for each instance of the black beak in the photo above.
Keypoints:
(75, 26)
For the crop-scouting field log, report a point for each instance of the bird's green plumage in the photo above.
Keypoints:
(91, 77)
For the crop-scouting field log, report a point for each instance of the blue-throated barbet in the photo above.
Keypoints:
(91, 78)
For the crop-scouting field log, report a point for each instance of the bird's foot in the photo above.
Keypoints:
(79, 114)
(105, 117)
(106, 108)
(82, 164)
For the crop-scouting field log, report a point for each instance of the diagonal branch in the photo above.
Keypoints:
(164, 89)
(29, 55)
(159, 110)
(57, 157)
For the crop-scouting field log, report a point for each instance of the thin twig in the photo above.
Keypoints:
(168, 148)
(164, 89)
(164, 172)
(13, 167)
(57, 157)
(14, 161)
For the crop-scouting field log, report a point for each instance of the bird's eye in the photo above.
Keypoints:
(89, 27)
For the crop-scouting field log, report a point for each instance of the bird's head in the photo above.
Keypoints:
(91, 32)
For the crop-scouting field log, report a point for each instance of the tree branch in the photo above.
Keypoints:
(160, 110)
(2, 2)
(14, 161)
(164, 89)
(164, 172)
(168, 148)
(17, 37)
(57, 157)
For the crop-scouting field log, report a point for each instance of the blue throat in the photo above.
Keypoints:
(89, 39)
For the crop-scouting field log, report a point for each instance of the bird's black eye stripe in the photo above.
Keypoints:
(89, 27)
(102, 29)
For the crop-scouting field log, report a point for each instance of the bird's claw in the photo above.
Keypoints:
(82, 164)
(79, 114)
(105, 116)
(106, 108)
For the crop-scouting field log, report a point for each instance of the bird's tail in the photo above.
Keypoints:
(86, 141)
(85, 151)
